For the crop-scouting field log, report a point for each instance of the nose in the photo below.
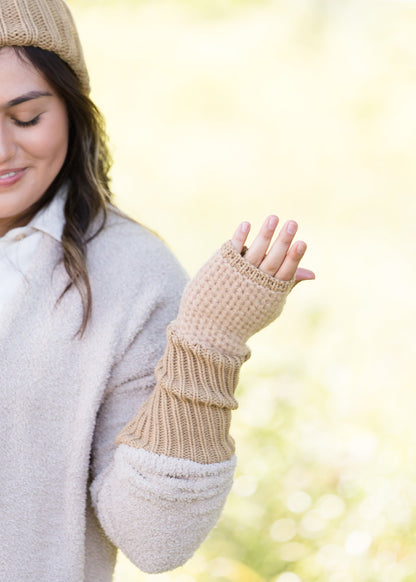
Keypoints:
(7, 144)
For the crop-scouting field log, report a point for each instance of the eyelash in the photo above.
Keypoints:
(30, 123)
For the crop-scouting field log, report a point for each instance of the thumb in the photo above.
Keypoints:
(304, 275)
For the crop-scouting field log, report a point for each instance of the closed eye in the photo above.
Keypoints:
(30, 123)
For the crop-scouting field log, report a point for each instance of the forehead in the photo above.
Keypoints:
(18, 76)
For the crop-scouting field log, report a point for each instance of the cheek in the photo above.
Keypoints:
(49, 143)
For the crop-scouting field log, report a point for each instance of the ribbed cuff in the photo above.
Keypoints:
(252, 273)
(189, 413)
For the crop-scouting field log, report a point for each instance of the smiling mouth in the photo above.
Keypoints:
(10, 177)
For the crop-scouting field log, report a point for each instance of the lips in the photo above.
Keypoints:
(11, 176)
(4, 173)
(8, 175)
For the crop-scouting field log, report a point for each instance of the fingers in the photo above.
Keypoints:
(304, 275)
(290, 264)
(282, 259)
(257, 251)
(240, 236)
(277, 254)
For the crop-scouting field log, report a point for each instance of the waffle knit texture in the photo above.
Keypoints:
(69, 495)
(229, 301)
(189, 413)
(47, 24)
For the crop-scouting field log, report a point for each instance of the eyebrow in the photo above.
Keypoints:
(27, 97)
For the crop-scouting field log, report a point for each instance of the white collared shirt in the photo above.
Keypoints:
(18, 246)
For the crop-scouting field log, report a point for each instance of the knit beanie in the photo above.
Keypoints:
(46, 24)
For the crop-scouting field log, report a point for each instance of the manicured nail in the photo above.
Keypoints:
(245, 227)
(272, 222)
(292, 227)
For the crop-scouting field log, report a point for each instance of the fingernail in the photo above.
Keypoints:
(301, 248)
(292, 227)
(272, 222)
(245, 227)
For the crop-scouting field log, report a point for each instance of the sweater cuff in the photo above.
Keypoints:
(189, 413)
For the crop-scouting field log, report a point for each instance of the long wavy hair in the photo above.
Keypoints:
(86, 170)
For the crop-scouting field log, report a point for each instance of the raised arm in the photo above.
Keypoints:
(174, 463)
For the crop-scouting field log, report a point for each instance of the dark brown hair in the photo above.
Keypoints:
(86, 170)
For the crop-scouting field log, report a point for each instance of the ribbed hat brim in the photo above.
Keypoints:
(47, 24)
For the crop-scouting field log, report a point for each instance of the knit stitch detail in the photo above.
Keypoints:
(240, 264)
(46, 24)
(228, 301)
(189, 413)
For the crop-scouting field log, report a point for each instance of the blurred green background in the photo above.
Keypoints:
(226, 110)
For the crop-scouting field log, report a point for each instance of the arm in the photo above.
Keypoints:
(156, 509)
(173, 467)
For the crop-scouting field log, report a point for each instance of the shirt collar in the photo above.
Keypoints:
(51, 218)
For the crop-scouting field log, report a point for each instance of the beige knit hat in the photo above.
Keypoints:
(47, 24)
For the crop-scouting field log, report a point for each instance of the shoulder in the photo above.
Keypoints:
(129, 256)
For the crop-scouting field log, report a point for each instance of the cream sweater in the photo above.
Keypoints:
(69, 494)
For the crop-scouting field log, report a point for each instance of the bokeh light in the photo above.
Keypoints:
(227, 110)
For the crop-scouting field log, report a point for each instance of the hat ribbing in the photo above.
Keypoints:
(46, 24)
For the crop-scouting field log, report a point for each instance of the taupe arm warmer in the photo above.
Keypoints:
(188, 415)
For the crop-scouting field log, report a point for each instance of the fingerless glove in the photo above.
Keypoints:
(188, 414)
(228, 301)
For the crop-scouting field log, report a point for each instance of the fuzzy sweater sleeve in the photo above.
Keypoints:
(169, 477)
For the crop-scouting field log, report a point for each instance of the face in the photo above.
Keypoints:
(33, 137)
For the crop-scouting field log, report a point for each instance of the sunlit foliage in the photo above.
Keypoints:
(221, 111)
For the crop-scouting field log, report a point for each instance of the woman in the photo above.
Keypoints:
(114, 433)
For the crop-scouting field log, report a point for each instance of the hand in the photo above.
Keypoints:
(281, 260)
